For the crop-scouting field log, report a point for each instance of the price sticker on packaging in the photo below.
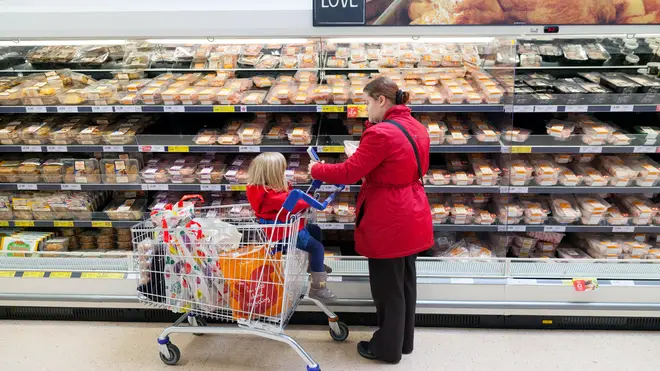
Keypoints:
(60, 275)
(330, 109)
(355, 111)
(521, 149)
(102, 224)
(26, 187)
(36, 109)
(30, 148)
(622, 108)
(210, 187)
(102, 109)
(172, 109)
(591, 149)
(102, 275)
(623, 229)
(70, 187)
(178, 149)
(249, 149)
(24, 223)
(577, 109)
(57, 149)
(33, 274)
(645, 149)
(545, 108)
(7, 274)
(62, 223)
(238, 187)
(128, 109)
(554, 228)
(67, 109)
(116, 149)
(151, 148)
(585, 284)
(224, 109)
(331, 226)
(331, 149)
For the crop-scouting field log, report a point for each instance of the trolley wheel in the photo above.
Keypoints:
(201, 322)
(174, 356)
(310, 368)
(343, 332)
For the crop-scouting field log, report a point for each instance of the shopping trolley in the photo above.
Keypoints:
(220, 263)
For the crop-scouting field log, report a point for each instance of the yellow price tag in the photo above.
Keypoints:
(547, 322)
(178, 149)
(224, 109)
(4, 223)
(335, 109)
(238, 187)
(98, 275)
(33, 274)
(102, 224)
(521, 149)
(7, 274)
(24, 223)
(60, 275)
(331, 149)
(62, 223)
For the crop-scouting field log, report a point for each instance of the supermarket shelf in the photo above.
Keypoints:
(520, 228)
(70, 223)
(523, 108)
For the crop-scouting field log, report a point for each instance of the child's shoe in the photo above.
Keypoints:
(319, 289)
(328, 270)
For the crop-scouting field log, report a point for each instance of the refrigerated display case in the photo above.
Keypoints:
(543, 160)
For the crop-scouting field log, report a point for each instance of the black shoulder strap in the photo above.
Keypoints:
(412, 143)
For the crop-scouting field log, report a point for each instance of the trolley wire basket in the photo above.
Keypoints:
(221, 263)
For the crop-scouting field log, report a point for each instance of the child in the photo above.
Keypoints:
(266, 191)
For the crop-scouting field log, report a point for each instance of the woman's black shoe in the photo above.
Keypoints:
(363, 349)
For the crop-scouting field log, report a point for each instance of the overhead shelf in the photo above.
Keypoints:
(520, 228)
(69, 223)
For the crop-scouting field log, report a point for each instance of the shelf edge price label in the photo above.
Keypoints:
(30, 148)
(521, 149)
(622, 283)
(7, 274)
(70, 187)
(224, 109)
(577, 109)
(249, 149)
(330, 109)
(462, 281)
(60, 275)
(331, 149)
(67, 109)
(591, 149)
(523, 109)
(151, 148)
(623, 229)
(4, 223)
(172, 109)
(26, 187)
(511, 228)
(645, 149)
(158, 187)
(622, 108)
(117, 149)
(178, 149)
(128, 109)
(102, 109)
(545, 108)
(33, 274)
(331, 226)
(24, 223)
(210, 187)
(356, 110)
(36, 109)
(56, 149)
(238, 187)
(518, 189)
(554, 228)
(585, 284)
(62, 223)
(102, 224)
(102, 275)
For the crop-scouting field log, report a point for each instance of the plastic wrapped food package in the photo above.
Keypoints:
(131, 209)
(567, 177)
(229, 96)
(640, 210)
(252, 97)
(29, 171)
(603, 248)
(149, 95)
(418, 94)
(120, 170)
(211, 173)
(516, 171)
(571, 253)
(651, 132)
(546, 172)
(281, 94)
(462, 178)
(438, 177)
(461, 214)
(590, 175)
(648, 172)
(90, 135)
(596, 134)
(560, 130)
(485, 173)
(615, 216)
(183, 170)
(509, 212)
(10, 133)
(156, 173)
(121, 133)
(251, 134)
(81, 171)
(593, 209)
(300, 134)
(486, 135)
(36, 132)
(51, 171)
(21, 207)
(436, 132)
(534, 212)
(483, 217)
(440, 213)
(457, 137)
(206, 137)
(64, 134)
(564, 209)
(237, 175)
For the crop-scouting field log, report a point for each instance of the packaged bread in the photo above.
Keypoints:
(9, 171)
(81, 171)
(29, 171)
(120, 170)
(131, 209)
(564, 209)
(51, 171)
(36, 132)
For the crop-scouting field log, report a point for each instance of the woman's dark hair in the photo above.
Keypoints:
(386, 87)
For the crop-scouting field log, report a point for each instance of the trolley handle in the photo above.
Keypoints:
(297, 195)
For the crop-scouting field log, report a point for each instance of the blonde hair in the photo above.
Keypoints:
(267, 170)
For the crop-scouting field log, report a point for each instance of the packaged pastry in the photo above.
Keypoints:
(120, 170)
(590, 175)
(36, 132)
(21, 207)
(91, 135)
(121, 133)
(10, 133)
(64, 134)
(29, 171)
(81, 171)
(131, 209)
(564, 209)
(9, 171)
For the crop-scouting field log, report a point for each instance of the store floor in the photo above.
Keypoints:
(91, 346)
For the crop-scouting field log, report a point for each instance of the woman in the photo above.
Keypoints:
(394, 220)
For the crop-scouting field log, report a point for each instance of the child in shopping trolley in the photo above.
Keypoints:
(266, 192)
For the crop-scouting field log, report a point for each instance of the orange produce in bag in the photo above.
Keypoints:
(255, 279)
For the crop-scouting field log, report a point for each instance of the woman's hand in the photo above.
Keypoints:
(311, 165)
